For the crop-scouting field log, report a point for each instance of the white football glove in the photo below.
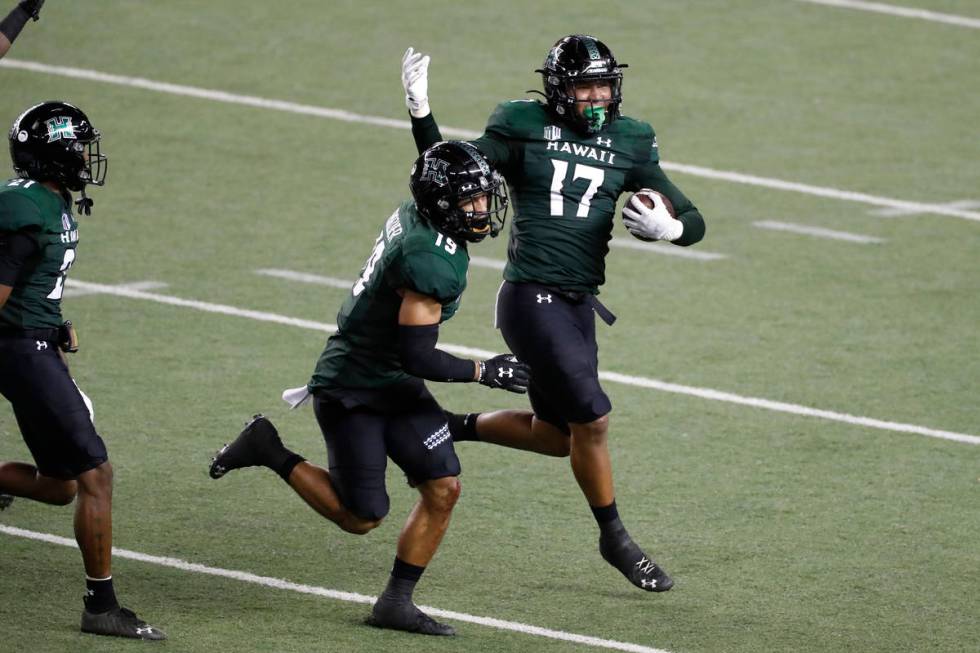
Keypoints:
(415, 80)
(651, 224)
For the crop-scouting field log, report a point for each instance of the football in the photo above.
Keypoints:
(645, 196)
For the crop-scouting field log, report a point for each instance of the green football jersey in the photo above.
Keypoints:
(564, 187)
(32, 208)
(408, 253)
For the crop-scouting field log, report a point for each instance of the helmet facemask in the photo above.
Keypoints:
(447, 179)
(474, 226)
(580, 59)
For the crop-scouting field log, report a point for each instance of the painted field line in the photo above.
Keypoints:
(348, 116)
(489, 263)
(305, 277)
(615, 377)
(665, 248)
(350, 597)
(819, 232)
(903, 12)
(136, 285)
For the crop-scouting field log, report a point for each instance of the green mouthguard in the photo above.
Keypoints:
(595, 115)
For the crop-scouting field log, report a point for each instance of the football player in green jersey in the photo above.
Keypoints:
(367, 388)
(55, 152)
(567, 160)
(14, 22)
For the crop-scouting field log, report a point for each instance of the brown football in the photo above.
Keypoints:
(644, 195)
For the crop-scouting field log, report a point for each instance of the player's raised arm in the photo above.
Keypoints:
(415, 81)
(11, 26)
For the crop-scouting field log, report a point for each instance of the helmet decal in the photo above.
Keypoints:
(59, 127)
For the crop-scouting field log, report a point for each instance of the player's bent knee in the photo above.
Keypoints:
(358, 526)
(591, 433)
(441, 494)
(96, 481)
(64, 493)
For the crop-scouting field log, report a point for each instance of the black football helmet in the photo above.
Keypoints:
(581, 58)
(54, 141)
(447, 174)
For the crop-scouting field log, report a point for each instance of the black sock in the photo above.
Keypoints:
(462, 427)
(99, 595)
(608, 519)
(402, 582)
(283, 464)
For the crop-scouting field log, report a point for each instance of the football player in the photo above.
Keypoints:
(567, 159)
(55, 151)
(367, 388)
(11, 26)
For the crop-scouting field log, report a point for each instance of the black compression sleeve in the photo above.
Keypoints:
(14, 23)
(426, 132)
(419, 356)
(15, 248)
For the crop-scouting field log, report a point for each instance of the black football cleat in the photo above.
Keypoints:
(407, 617)
(5, 501)
(119, 622)
(621, 552)
(253, 446)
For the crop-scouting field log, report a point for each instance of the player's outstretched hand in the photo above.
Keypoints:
(415, 80)
(32, 8)
(651, 223)
(504, 371)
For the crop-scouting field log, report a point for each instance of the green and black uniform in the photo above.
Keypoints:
(38, 241)
(367, 406)
(564, 186)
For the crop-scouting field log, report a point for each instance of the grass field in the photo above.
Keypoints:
(785, 531)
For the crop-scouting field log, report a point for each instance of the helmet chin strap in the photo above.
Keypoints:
(84, 204)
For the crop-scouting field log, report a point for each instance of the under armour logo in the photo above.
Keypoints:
(544, 298)
(41, 345)
(604, 142)
(506, 371)
(146, 630)
(648, 584)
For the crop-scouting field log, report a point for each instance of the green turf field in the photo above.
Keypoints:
(784, 531)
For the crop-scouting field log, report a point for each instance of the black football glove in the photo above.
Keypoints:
(32, 8)
(506, 372)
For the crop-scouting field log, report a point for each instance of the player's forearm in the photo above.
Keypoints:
(652, 176)
(11, 26)
(4, 294)
(693, 227)
(426, 132)
(419, 356)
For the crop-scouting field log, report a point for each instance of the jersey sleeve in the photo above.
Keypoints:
(430, 274)
(18, 213)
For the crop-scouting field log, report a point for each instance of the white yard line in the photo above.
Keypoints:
(137, 285)
(666, 248)
(305, 277)
(901, 213)
(635, 381)
(819, 232)
(490, 263)
(351, 597)
(348, 116)
(903, 12)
